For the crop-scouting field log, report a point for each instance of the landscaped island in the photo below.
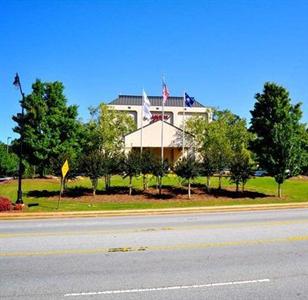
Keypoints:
(78, 195)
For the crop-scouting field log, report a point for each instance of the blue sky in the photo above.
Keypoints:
(220, 52)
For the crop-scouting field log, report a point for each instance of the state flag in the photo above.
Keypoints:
(189, 101)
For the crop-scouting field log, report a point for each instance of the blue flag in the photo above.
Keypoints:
(189, 101)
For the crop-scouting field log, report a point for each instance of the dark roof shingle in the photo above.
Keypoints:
(155, 101)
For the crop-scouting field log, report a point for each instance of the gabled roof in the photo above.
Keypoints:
(155, 101)
(173, 136)
(178, 128)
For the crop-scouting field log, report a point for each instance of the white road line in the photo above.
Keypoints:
(167, 288)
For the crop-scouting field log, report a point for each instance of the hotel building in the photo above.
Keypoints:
(149, 132)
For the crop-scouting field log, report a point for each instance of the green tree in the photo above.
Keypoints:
(92, 166)
(50, 127)
(219, 141)
(187, 168)
(202, 140)
(113, 164)
(132, 167)
(8, 161)
(208, 167)
(105, 132)
(304, 147)
(111, 127)
(241, 168)
(237, 132)
(197, 126)
(222, 156)
(275, 121)
(147, 167)
(160, 169)
(239, 137)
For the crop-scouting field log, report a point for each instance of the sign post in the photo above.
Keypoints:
(64, 170)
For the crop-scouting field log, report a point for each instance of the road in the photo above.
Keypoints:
(238, 255)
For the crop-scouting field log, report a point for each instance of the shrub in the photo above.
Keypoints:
(5, 204)
(18, 206)
(8, 162)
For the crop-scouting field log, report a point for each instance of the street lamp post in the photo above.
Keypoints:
(20, 171)
(7, 144)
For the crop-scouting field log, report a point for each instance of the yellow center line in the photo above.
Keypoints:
(153, 229)
(176, 247)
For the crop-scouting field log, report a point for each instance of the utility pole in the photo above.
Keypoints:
(20, 171)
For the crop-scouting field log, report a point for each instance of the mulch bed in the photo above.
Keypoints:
(172, 194)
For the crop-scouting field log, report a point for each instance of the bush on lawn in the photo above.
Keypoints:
(5, 204)
(18, 206)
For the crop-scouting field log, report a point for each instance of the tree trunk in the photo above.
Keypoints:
(279, 190)
(243, 187)
(106, 183)
(109, 182)
(189, 188)
(220, 177)
(144, 182)
(94, 185)
(147, 183)
(34, 171)
(41, 173)
(130, 185)
(159, 184)
(237, 184)
(91, 200)
(208, 187)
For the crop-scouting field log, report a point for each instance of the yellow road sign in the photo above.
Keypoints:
(65, 169)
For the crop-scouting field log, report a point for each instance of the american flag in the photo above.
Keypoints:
(165, 92)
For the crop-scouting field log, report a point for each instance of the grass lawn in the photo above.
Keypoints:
(79, 198)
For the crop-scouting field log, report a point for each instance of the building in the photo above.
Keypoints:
(149, 132)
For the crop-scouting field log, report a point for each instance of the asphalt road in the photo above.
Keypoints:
(239, 255)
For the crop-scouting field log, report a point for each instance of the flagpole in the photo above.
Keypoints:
(141, 138)
(183, 142)
(165, 93)
(162, 133)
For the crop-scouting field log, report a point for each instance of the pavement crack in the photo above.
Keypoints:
(127, 249)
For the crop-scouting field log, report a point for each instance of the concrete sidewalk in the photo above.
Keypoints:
(143, 212)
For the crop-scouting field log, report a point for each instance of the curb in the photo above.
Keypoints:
(150, 212)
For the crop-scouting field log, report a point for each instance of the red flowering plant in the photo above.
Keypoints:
(5, 204)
